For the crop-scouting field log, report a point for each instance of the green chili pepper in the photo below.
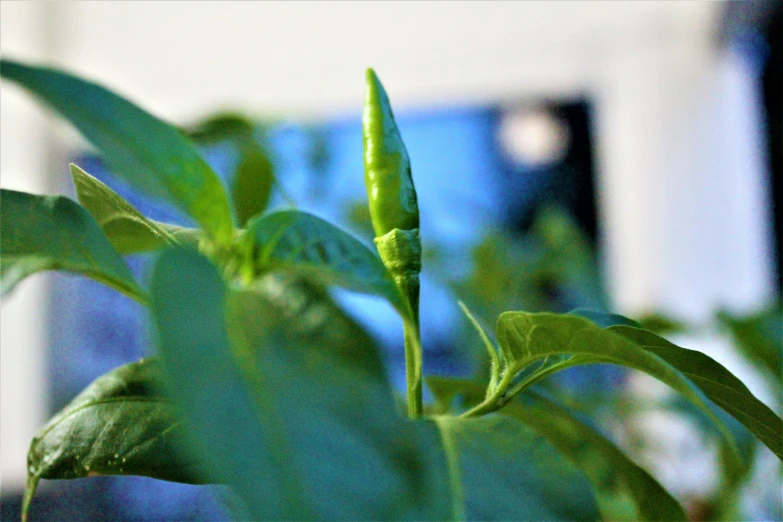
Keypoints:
(395, 218)
(387, 169)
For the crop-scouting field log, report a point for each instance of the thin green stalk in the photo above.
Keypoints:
(413, 351)
(400, 251)
(492, 402)
(413, 364)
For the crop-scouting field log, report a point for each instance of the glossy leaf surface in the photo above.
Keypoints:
(149, 153)
(54, 233)
(320, 434)
(119, 425)
(526, 337)
(293, 239)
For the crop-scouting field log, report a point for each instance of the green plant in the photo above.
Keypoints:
(262, 382)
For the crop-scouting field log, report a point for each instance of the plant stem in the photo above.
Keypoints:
(413, 363)
(413, 352)
(400, 251)
(492, 402)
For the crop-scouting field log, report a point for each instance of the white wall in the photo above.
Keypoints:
(676, 131)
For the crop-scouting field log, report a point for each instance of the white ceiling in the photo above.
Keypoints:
(182, 58)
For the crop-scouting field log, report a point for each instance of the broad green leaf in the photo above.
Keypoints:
(150, 154)
(253, 182)
(623, 490)
(119, 425)
(501, 470)
(54, 233)
(298, 430)
(525, 338)
(127, 228)
(290, 239)
(717, 383)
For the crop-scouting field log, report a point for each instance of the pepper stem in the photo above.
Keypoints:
(400, 251)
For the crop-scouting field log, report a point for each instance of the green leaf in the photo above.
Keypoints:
(127, 228)
(119, 425)
(526, 337)
(220, 127)
(290, 239)
(759, 337)
(253, 182)
(603, 319)
(295, 428)
(54, 233)
(501, 470)
(623, 490)
(150, 154)
(717, 383)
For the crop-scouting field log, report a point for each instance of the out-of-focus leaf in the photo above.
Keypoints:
(119, 425)
(254, 176)
(253, 182)
(313, 318)
(220, 127)
(759, 337)
(54, 233)
(661, 324)
(298, 431)
(150, 154)
(291, 239)
(501, 470)
(603, 319)
(623, 490)
(128, 229)
(717, 383)
(525, 338)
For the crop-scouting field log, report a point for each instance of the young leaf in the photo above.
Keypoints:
(290, 239)
(500, 470)
(623, 490)
(253, 181)
(150, 154)
(127, 228)
(700, 379)
(54, 233)
(119, 425)
(320, 437)
(494, 369)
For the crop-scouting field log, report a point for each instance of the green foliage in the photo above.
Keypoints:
(127, 229)
(150, 154)
(265, 384)
(254, 176)
(120, 424)
(623, 490)
(54, 233)
(290, 239)
(759, 337)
